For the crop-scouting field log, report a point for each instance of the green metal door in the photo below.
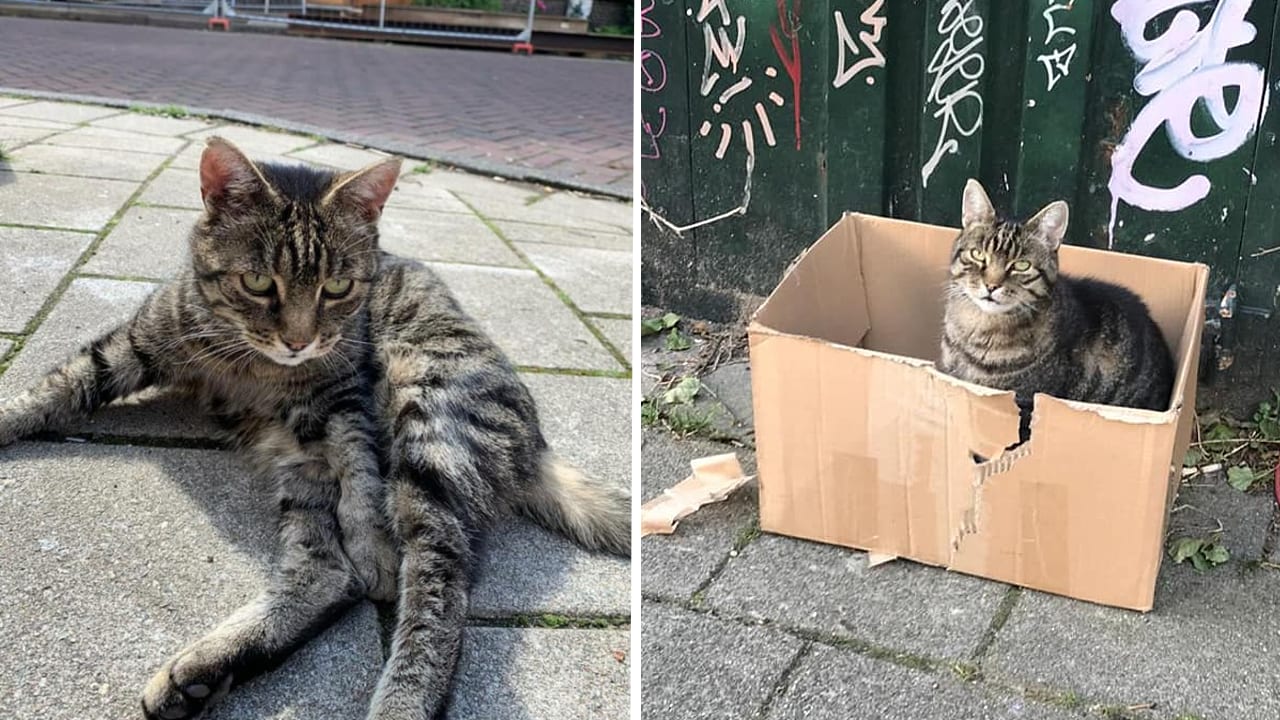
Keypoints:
(764, 120)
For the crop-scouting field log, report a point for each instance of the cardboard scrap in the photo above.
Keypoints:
(714, 478)
(875, 558)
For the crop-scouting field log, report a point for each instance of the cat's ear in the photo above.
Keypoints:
(977, 206)
(228, 179)
(1050, 224)
(365, 190)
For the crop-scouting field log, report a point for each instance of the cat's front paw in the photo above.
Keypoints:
(377, 563)
(184, 688)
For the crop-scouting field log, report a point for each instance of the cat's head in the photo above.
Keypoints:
(285, 255)
(1005, 266)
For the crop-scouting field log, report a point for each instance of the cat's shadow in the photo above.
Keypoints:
(241, 512)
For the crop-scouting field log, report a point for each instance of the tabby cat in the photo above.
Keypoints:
(1012, 322)
(390, 428)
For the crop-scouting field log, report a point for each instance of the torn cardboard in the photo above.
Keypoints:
(714, 478)
(862, 442)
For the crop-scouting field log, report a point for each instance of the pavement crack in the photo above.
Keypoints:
(783, 684)
(998, 619)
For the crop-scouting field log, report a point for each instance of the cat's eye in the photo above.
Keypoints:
(1020, 266)
(336, 288)
(977, 255)
(257, 284)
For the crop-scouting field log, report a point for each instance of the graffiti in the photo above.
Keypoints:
(652, 152)
(653, 78)
(1057, 64)
(870, 41)
(956, 69)
(790, 58)
(726, 55)
(1180, 67)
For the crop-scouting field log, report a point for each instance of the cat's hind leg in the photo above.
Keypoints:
(312, 583)
(434, 584)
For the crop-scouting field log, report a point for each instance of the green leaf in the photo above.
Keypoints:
(1215, 553)
(658, 324)
(1193, 458)
(1183, 548)
(676, 341)
(1200, 562)
(683, 393)
(1219, 431)
(1240, 477)
(1270, 428)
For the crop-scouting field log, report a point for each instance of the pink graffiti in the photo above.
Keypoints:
(1181, 66)
(653, 152)
(653, 72)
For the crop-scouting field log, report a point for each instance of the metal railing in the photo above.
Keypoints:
(294, 13)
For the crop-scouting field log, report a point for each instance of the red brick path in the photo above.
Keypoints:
(563, 119)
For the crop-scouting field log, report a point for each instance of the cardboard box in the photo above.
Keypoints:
(862, 442)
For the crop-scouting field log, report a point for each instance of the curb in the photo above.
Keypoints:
(505, 170)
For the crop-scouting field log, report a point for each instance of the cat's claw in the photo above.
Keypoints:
(164, 698)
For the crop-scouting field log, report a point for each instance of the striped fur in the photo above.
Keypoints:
(392, 429)
(1013, 322)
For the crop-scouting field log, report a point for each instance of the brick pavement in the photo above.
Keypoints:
(544, 118)
(140, 506)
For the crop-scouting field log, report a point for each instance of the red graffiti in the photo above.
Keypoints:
(790, 61)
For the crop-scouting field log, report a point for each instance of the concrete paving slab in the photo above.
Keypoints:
(596, 280)
(443, 237)
(108, 139)
(147, 242)
(556, 235)
(527, 570)
(674, 566)
(619, 333)
(151, 414)
(832, 684)
(530, 674)
(174, 187)
(57, 160)
(255, 141)
(152, 124)
(525, 318)
(480, 189)
(695, 666)
(88, 308)
(177, 539)
(31, 199)
(11, 101)
(12, 121)
(59, 111)
(572, 207)
(731, 385)
(37, 260)
(1218, 627)
(531, 208)
(5, 347)
(343, 157)
(12, 136)
(903, 605)
(410, 193)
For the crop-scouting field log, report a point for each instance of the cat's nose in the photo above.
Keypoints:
(992, 288)
(295, 346)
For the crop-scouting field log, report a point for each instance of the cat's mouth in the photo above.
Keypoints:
(281, 355)
(989, 302)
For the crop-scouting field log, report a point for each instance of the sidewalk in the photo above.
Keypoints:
(561, 120)
(138, 534)
(740, 624)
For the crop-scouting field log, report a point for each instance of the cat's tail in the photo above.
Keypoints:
(594, 513)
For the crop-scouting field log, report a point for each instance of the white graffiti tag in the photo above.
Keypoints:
(870, 40)
(956, 69)
(1180, 67)
(1057, 64)
(726, 55)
